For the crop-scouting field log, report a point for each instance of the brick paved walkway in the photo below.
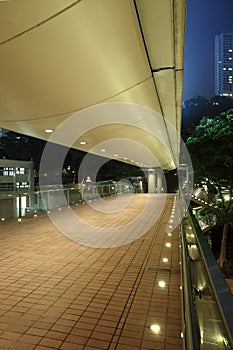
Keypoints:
(58, 294)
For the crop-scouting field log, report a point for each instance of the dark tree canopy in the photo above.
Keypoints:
(211, 149)
(198, 107)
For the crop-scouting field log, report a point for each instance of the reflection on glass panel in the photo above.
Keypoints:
(212, 330)
(16, 201)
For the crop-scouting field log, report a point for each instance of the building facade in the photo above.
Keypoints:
(224, 65)
(16, 175)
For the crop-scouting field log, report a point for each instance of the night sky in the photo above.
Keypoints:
(205, 19)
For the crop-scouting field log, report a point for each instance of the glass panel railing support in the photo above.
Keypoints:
(19, 206)
(190, 332)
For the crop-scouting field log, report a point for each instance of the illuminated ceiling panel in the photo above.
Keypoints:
(58, 57)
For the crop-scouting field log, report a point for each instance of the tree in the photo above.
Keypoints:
(198, 107)
(211, 151)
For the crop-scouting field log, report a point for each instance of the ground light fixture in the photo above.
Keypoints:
(168, 245)
(165, 260)
(162, 284)
(49, 131)
(155, 328)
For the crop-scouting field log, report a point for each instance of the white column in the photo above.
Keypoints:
(151, 181)
(159, 180)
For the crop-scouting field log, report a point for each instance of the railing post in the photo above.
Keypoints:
(20, 206)
(48, 201)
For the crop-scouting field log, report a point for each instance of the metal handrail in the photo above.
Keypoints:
(220, 288)
(207, 299)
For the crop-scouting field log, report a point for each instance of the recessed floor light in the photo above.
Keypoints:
(155, 328)
(165, 260)
(168, 244)
(162, 284)
(82, 142)
(49, 131)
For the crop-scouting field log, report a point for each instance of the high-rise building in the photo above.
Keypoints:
(224, 64)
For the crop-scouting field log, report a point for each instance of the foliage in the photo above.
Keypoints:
(211, 151)
(198, 107)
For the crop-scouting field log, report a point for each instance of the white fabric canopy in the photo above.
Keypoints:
(58, 57)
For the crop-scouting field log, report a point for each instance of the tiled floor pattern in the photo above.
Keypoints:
(58, 294)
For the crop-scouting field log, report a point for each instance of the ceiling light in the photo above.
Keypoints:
(48, 130)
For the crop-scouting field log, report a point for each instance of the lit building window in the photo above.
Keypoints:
(22, 184)
(20, 171)
(6, 171)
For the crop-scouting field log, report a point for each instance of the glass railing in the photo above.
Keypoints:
(207, 299)
(33, 203)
